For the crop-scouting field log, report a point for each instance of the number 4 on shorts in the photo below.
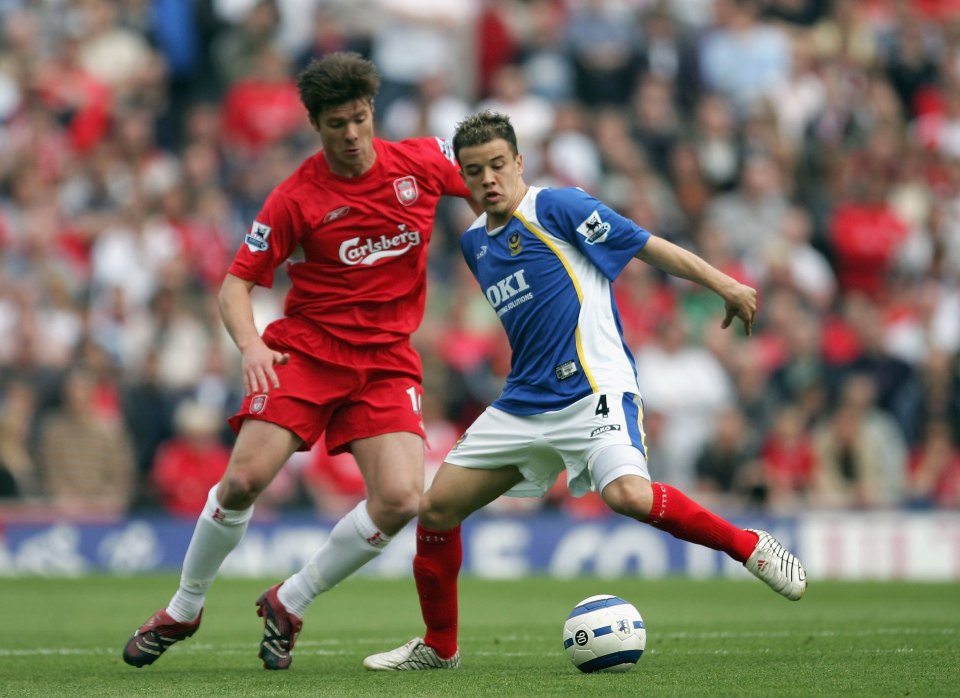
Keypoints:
(602, 408)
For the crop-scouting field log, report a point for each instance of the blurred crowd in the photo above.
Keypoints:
(808, 147)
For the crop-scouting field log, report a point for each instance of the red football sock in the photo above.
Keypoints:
(435, 569)
(681, 517)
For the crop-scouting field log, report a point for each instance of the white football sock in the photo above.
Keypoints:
(217, 532)
(353, 542)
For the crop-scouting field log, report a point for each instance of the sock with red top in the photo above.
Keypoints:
(681, 517)
(435, 569)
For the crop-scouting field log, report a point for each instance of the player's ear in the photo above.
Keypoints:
(520, 163)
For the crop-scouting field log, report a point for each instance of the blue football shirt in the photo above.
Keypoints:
(547, 273)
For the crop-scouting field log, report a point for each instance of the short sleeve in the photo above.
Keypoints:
(606, 238)
(268, 242)
(446, 166)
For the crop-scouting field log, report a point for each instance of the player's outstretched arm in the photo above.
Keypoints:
(740, 300)
(257, 359)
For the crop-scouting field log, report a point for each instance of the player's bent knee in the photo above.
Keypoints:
(437, 516)
(394, 508)
(629, 496)
(239, 490)
(438, 521)
(400, 511)
(621, 475)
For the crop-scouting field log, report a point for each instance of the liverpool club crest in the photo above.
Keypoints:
(258, 404)
(406, 188)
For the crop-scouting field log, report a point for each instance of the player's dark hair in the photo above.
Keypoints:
(482, 128)
(335, 79)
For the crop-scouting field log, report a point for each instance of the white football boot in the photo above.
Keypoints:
(777, 566)
(413, 656)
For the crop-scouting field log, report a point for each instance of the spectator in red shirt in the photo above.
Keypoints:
(864, 234)
(263, 108)
(788, 457)
(190, 463)
(934, 468)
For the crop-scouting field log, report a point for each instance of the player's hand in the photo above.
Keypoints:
(257, 367)
(741, 303)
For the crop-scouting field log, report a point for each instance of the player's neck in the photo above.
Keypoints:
(497, 221)
(352, 169)
(500, 220)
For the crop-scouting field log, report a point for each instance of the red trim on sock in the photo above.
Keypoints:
(681, 517)
(435, 570)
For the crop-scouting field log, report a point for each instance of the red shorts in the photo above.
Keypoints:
(347, 391)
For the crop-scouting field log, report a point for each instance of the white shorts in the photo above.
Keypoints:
(543, 445)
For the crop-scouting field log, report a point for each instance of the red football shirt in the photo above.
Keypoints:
(362, 273)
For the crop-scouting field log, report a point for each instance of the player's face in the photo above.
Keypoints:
(346, 132)
(494, 176)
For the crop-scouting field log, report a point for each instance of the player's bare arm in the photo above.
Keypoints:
(257, 359)
(475, 206)
(739, 299)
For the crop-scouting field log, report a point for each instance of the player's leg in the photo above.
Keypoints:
(455, 493)
(485, 463)
(621, 476)
(261, 450)
(379, 421)
(382, 427)
(392, 467)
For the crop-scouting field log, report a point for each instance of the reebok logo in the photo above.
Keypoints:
(336, 213)
(218, 515)
(376, 540)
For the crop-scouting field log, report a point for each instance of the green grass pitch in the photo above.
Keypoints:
(63, 637)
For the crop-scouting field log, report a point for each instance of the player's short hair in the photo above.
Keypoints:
(337, 78)
(482, 128)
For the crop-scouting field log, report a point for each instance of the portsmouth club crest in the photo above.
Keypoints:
(406, 188)
(514, 245)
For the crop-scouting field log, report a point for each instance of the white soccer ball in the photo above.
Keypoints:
(604, 633)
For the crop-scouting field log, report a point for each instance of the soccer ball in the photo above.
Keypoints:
(604, 633)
